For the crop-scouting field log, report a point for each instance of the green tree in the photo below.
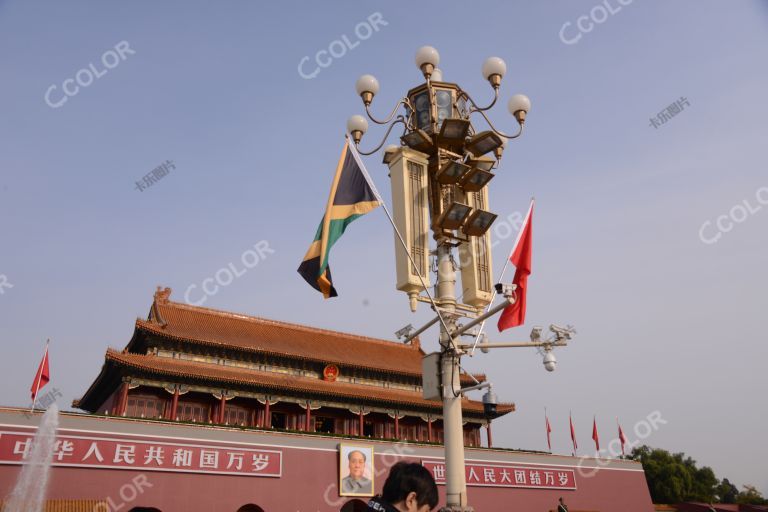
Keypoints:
(675, 478)
(669, 479)
(750, 496)
(704, 485)
(727, 492)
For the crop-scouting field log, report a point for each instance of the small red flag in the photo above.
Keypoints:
(573, 434)
(595, 437)
(621, 437)
(549, 431)
(43, 375)
(514, 314)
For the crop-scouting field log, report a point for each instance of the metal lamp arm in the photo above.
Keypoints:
(475, 387)
(403, 101)
(497, 132)
(400, 119)
(522, 344)
(475, 108)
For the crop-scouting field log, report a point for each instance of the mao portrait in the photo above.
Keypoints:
(355, 470)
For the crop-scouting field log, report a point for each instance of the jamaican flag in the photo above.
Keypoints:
(352, 195)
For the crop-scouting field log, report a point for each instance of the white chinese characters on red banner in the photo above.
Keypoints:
(147, 455)
(502, 475)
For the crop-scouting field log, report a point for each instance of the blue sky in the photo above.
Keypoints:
(667, 322)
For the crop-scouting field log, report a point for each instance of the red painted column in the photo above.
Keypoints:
(429, 431)
(267, 416)
(173, 413)
(309, 413)
(490, 437)
(213, 414)
(222, 408)
(397, 427)
(122, 401)
(361, 429)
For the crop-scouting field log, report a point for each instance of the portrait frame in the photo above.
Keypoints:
(344, 468)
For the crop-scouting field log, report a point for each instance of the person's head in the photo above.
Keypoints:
(410, 488)
(560, 500)
(356, 464)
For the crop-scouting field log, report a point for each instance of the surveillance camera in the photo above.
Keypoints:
(483, 339)
(536, 334)
(562, 333)
(550, 361)
(404, 332)
(472, 333)
(507, 290)
(489, 403)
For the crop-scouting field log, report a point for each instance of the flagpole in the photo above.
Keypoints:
(621, 434)
(594, 431)
(399, 236)
(39, 377)
(573, 431)
(503, 270)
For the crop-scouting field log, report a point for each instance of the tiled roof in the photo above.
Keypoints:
(284, 383)
(231, 330)
(72, 505)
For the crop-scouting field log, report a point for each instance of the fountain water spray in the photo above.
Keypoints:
(30, 490)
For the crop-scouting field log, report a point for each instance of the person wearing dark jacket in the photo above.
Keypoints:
(409, 488)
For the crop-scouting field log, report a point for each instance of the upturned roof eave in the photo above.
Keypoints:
(114, 357)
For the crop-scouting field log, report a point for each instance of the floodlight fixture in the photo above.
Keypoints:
(476, 179)
(452, 172)
(479, 222)
(484, 142)
(418, 140)
(454, 216)
(453, 131)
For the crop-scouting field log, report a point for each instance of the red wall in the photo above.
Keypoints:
(309, 485)
(310, 475)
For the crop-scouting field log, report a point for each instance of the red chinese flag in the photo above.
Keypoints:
(43, 375)
(573, 434)
(549, 431)
(514, 314)
(595, 437)
(621, 438)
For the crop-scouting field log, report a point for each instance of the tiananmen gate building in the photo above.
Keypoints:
(205, 410)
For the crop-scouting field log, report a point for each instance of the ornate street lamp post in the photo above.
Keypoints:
(439, 176)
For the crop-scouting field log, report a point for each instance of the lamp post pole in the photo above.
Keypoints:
(455, 477)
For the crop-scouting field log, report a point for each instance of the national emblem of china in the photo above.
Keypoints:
(331, 373)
